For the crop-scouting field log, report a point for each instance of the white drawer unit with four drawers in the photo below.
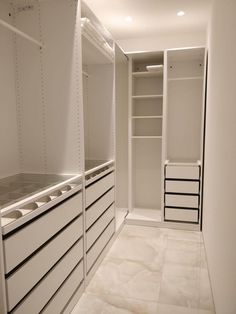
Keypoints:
(182, 192)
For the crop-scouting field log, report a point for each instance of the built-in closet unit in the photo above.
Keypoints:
(41, 164)
(145, 137)
(98, 58)
(185, 93)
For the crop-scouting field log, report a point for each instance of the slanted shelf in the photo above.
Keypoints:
(146, 124)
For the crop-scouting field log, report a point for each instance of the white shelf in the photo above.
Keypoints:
(151, 136)
(186, 78)
(144, 214)
(147, 117)
(147, 96)
(148, 74)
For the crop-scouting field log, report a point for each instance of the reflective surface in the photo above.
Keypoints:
(20, 186)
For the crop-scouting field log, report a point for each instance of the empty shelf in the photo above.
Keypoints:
(148, 74)
(147, 96)
(154, 136)
(186, 78)
(147, 117)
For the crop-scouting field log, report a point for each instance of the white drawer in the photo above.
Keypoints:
(99, 207)
(182, 187)
(96, 229)
(66, 291)
(182, 172)
(25, 241)
(98, 247)
(181, 200)
(95, 190)
(42, 293)
(23, 280)
(178, 214)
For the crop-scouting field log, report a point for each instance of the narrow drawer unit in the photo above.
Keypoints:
(59, 301)
(99, 245)
(35, 301)
(181, 215)
(98, 227)
(176, 200)
(187, 187)
(25, 277)
(24, 242)
(182, 172)
(98, 188)
(99, 207)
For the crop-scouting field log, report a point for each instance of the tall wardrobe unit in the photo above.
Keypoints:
(57, 163)
(166, 123)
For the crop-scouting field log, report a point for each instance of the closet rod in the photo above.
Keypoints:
(18, 32)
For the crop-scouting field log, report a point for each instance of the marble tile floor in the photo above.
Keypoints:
(151, 271)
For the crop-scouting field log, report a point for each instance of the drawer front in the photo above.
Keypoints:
(98, 247)
(181, 200)
(99, 207)
(42, 293)
(25, 241)
(95, 190)
(96, 229)
(178, 214)
(182, 172)
(63, 295)
(24, 279)
(187, 187)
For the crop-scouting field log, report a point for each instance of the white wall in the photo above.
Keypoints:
(163, 41)
(219, 215)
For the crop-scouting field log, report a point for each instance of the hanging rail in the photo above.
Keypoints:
(20, 33)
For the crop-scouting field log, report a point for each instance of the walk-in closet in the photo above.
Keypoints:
(111, 174)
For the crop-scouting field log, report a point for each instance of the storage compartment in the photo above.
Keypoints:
(99, 245)
(182, 172)
(147, 127)
(176, 200)
(24, 278)
(147, 107)
(187, 187)
(97, 228)
(48, 286)
(96, 210)
(181, 215)
(24, 242)
(147, 85)
(98, 188)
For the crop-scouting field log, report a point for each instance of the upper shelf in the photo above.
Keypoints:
(186, 78)
(147, 74)
(95, 49)
(147, 96)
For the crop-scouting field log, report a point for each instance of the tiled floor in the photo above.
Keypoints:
(151, 271)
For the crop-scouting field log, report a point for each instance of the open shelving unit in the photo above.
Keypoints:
(145, 138)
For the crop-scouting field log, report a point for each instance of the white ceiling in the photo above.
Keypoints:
(151, 17)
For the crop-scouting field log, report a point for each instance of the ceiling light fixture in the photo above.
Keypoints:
(128, 19)
(181, 13)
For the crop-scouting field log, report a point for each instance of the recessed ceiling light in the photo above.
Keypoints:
(181, 13)
(128, 19)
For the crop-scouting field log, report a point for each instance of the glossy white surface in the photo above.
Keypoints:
(151, 270)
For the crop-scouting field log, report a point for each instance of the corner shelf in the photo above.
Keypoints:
(147, 96)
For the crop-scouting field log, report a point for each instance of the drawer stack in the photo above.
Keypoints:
(100, 214)
(182, 193)
(44, 257)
